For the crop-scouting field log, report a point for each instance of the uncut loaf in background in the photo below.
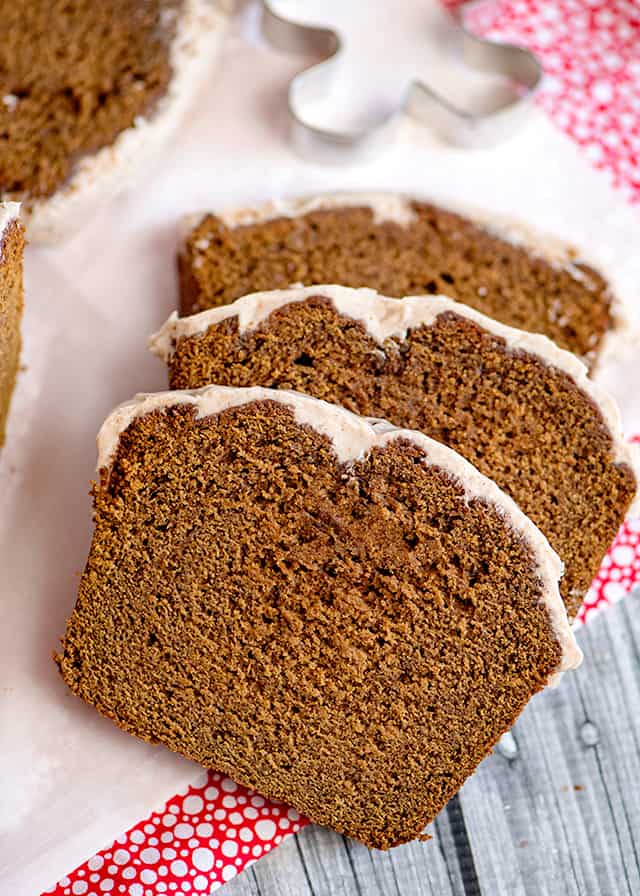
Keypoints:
(520, 409)
(401, 246)
(11, 302)
(89, 94)
(342, 615)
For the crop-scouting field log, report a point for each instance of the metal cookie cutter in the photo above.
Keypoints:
(461, 127)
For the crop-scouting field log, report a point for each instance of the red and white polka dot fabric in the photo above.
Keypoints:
(591, 52)
(199, 841)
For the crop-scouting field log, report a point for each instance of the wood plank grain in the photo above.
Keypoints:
(282, 872)
(569, 800)
(555, 810)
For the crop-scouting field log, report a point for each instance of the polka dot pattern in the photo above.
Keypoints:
(590, 52)
(200, 840)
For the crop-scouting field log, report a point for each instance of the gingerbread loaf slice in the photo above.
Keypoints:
(11, 302)
(89, 94)
(340, 614)
(401, 246)
(520, 409)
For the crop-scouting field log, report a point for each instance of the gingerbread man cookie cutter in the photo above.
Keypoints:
(463, 127)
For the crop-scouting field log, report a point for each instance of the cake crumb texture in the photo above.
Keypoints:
(521, 422)
(351, 639)
(439, 252)
(11, 304)
(73, 75)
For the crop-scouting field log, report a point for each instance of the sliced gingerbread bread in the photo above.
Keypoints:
(520, 409)
(400, 246)
(11, 302)
(88, 93)
(341, 614)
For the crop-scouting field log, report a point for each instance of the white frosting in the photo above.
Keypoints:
(633, 449)
(396, 208)
(385, 318)
(99, 177)
(9, 211)
(393, 207)
(353, 438)
(622, 338)
(385, 207)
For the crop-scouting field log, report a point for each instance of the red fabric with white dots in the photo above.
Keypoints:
(198, 841)
(591, 52)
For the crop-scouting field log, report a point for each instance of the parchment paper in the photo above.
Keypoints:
(70, 781)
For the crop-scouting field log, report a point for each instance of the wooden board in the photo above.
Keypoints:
(554, 811)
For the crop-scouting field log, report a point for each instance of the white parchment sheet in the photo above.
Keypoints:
(70, 781)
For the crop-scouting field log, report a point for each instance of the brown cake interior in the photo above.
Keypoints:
(440, 252)
(520, 422)
(74, 74)
(349, 639)
(11, 302)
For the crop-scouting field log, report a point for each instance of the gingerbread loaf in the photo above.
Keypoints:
(520, 409)
(401, 246)
(341, 614)
(11, 303)
(89, 92)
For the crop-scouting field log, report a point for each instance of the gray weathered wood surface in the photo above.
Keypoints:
(556, 810)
